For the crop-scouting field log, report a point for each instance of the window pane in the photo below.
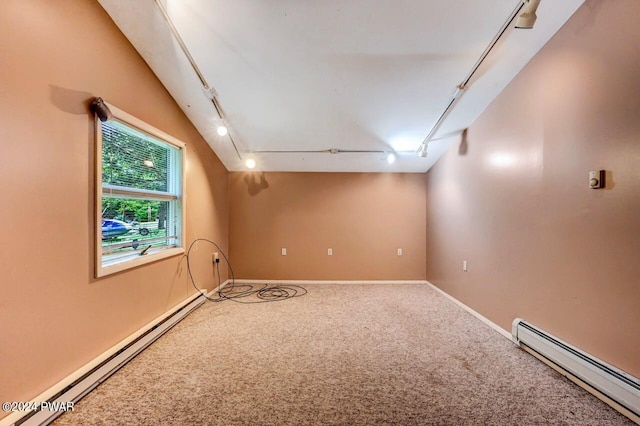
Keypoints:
(134, 159)
(130, 225)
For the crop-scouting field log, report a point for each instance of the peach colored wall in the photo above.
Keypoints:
(364, 218)
(54, 316)
(513, 200)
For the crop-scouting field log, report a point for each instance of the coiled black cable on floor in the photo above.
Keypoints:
(264, 293)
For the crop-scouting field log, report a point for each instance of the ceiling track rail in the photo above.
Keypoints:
(322, 151)
(347, 151)
(209, 91)
(460, 89)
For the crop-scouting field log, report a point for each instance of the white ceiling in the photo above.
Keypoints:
(352, 74)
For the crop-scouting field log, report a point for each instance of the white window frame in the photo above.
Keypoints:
(134, 259)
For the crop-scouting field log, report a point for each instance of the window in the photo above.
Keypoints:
(139, 194)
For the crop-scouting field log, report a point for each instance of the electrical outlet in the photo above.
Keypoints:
(330, 252)
(464, 265)
(399, 252)
(284, 251)
(216, 257)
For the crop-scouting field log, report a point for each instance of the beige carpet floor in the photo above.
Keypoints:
(340, 355)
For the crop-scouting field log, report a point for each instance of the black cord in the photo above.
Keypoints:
(233, 292)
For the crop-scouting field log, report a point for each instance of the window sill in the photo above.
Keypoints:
(134, 260)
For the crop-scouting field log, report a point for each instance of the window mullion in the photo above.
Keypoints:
(121, 191)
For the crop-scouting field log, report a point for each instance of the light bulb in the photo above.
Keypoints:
(222, 130)
(250, 163)
(391, 158)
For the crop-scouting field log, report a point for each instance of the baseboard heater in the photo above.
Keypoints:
(85, 384)
(613, 386)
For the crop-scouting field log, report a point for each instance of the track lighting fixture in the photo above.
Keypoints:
(422, 150)
(389, 156)
(528, 17)
(209, 91)
(525, 20)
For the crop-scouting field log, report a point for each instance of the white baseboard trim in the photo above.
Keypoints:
(305, 282)
(213, 292)
(482, 318)
(83, 380)
(605, 398)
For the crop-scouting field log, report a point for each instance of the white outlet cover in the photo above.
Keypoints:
(399, 252)
(330, 252)
(284, 251)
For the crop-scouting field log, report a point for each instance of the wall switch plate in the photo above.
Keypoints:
(330, 252)
(464, 265)
(399, 252)
(596, 179)
(284, 251)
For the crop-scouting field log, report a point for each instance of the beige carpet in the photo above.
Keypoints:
(340, 355)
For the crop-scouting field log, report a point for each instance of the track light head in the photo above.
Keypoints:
(528, 17)
(222, 130)
(422, 151)
(100, 108)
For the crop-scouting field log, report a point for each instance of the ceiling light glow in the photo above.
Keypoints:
(391, 158)
(250, 163)
(222, 130)
(404, 142)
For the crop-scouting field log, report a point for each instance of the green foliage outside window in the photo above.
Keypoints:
(133, 160)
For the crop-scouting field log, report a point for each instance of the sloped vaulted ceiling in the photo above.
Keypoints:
(352, 75)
